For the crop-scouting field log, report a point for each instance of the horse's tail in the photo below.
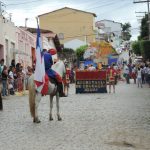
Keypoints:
(32, 94)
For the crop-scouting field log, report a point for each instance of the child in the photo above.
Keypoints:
(139, 77)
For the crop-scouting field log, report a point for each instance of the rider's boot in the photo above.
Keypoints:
(60, 89)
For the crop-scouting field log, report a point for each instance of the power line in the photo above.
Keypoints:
(148, 12)
(1, 7)
(141, 1)
(13, 4)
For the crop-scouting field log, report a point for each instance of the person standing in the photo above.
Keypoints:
(111, 78)
(139, 77)
(1, 66)
(126, 74)
(4, 80)
(148, 75)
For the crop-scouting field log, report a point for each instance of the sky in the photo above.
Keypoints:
(117, 10)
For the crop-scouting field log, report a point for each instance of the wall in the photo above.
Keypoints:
(71, 23)
(112, 27)
(26, 45)
(7, 39)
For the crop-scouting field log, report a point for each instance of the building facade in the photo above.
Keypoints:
(110, 31)
(70, 24)
(25, 47)
(7, 39)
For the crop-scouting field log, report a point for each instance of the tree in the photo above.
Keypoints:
(68, 54)
(80, 51)
(126, 33)
(145, 49)
(144, 28)
(136, 47)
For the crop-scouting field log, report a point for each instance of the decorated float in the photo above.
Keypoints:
(97, 55)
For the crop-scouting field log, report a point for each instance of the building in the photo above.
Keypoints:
(25, 47)
(49, 40)
(110, 31)
(7, 39)
(70, 24)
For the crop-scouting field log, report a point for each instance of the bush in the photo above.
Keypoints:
(145, 49)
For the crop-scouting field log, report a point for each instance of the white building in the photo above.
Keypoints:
(111, 31)
(20, 44)
(7, 39)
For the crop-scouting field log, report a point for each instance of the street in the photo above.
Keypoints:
(119, 121)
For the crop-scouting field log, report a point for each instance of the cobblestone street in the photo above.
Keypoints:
(119, 121)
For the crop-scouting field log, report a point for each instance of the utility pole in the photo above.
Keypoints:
(146, 1)
(1, 7)
(26, 19)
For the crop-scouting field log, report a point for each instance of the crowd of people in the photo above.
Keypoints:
(14, 78)
(139, 72)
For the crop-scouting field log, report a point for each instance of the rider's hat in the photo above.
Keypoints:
(52, 51)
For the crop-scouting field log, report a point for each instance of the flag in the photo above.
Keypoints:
(39, 75)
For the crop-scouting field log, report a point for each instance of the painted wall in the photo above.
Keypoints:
(26, 45)
(69, 24)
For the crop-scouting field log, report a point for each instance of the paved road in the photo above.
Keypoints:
(118, 121)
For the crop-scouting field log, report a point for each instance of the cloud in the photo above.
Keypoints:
(119, 11)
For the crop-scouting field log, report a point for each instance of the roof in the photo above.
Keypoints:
(68, 8)
(34, 30)
(47, 34)
(109, 21)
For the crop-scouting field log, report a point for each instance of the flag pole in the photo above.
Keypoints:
(37, 21)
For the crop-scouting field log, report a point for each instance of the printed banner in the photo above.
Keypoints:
(91, 82)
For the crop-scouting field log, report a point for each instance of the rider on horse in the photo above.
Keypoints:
(51, 73)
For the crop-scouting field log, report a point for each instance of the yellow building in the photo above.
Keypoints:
(70, 24)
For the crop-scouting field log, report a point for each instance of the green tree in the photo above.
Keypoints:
(126, 33)
(80, 51)
(136, 47)
(144, 28)
(145, 49)
(68, 50)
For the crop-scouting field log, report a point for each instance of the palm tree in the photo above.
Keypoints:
(126, 35)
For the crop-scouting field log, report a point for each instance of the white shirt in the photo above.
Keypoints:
(92, 68)
(139, 73)
(126, 70)
(11, 75)
(148, 70)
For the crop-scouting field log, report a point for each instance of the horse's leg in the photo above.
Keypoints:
(57, 105)
(67, 89)
(51, 107)
(37, 101)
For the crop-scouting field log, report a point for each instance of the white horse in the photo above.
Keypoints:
(35, 96)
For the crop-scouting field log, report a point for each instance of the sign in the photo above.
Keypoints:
(91, 82)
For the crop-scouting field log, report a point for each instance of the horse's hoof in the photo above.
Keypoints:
(59, 119)
(36, 121)
(51, 119)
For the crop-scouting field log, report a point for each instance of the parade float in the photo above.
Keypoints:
(94, 81)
